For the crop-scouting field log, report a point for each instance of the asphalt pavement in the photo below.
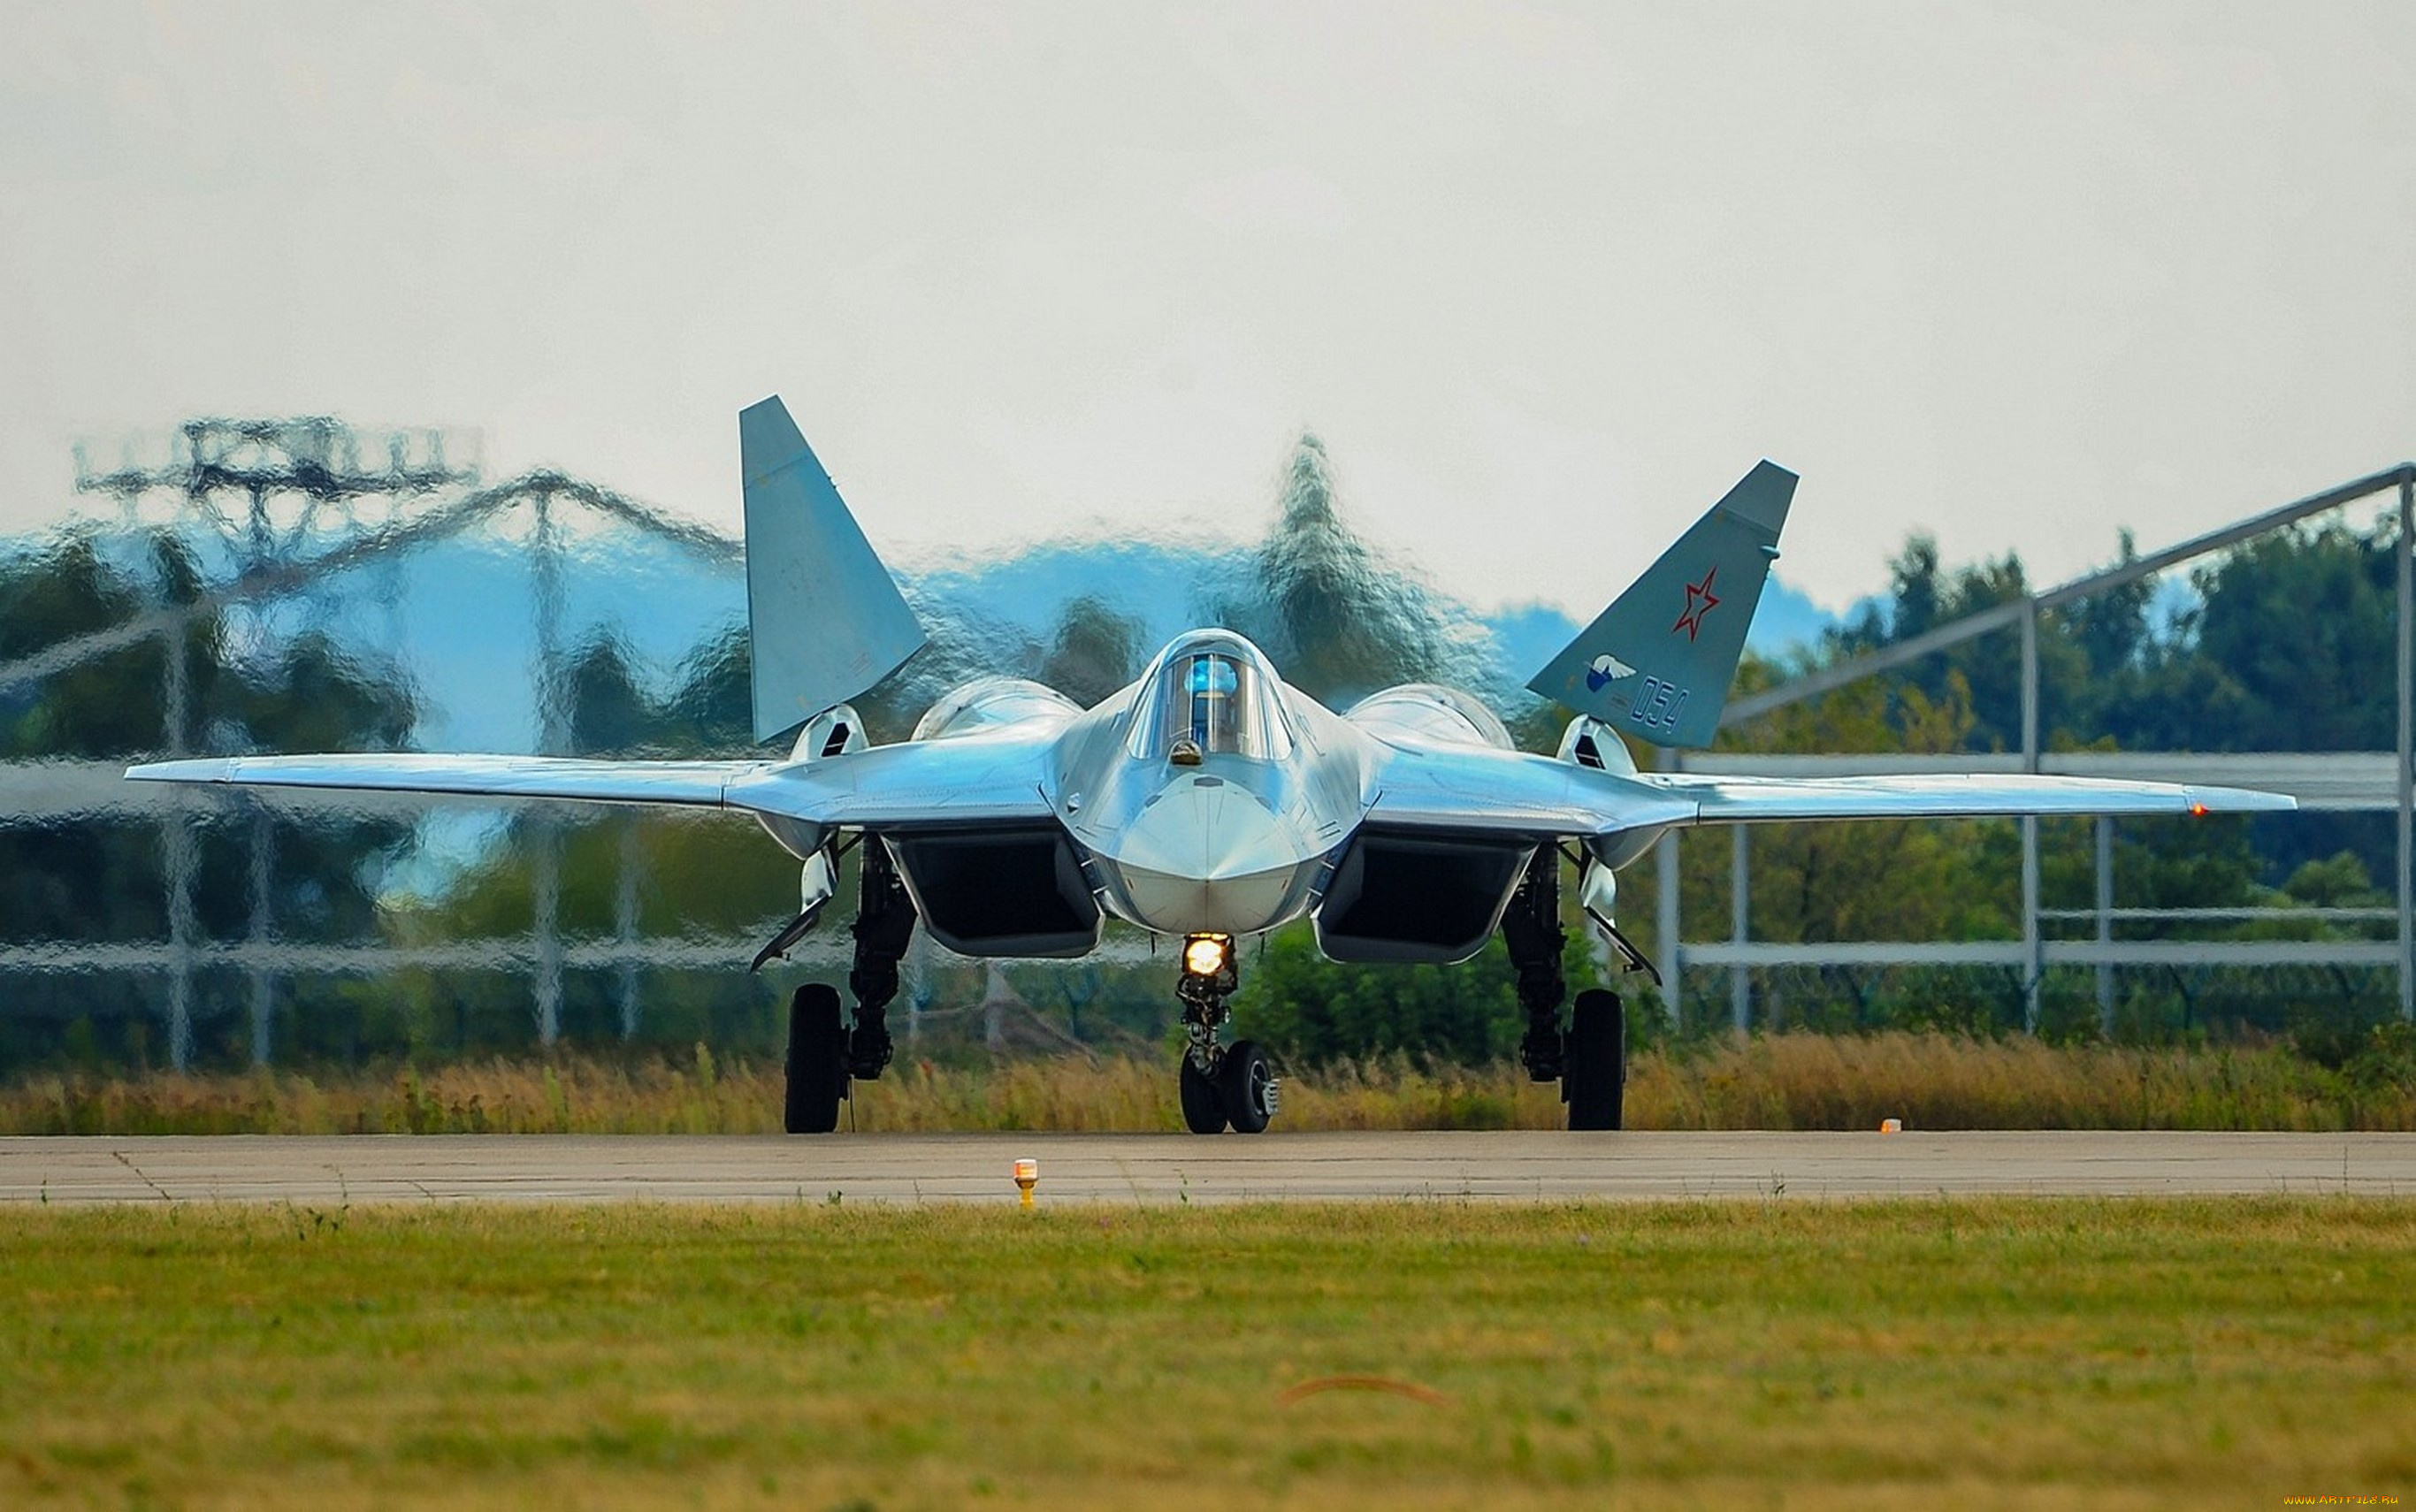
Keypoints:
(1172, 1168)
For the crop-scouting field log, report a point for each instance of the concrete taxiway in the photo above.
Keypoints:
(1171, 1167)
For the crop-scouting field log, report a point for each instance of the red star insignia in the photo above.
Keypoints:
(1699, 602)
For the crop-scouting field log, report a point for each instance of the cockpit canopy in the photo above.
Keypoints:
(1211, 693)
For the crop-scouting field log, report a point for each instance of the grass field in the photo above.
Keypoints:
(2018, 1353)
(1795, 1081)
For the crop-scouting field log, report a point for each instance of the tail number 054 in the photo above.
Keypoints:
(1657, 704)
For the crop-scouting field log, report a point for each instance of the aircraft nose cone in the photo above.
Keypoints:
(1206, 832)
(1208, 856)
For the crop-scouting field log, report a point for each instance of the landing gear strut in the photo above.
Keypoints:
(1589, 1060)
(1531, 927)
(1221, 1085)
(884, 922)
(824, 1055)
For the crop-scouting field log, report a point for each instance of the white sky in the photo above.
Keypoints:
(1546, 278)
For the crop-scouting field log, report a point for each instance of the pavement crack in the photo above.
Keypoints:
(119, 1155)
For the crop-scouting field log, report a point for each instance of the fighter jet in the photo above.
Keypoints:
(1210, 802)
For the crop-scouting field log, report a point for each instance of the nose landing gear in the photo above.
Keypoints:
(1221, 1086)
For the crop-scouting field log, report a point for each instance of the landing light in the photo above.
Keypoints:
(1204, 955)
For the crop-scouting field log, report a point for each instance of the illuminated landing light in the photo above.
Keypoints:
(1204, 955)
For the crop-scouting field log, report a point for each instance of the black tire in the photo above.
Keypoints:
(1248, 1086)
(817, 1060)
(1595, 1080)
(1203, 1100)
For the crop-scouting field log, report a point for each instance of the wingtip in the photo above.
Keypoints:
(2204, 801)
(205, 769)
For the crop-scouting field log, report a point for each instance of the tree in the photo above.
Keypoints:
(1095, 650)
(78, 882)
(1317, 1012)
(1338, 621)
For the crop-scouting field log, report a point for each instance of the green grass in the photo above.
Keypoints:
(2011, 1352)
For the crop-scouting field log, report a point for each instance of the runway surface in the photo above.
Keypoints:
(1167, 1168)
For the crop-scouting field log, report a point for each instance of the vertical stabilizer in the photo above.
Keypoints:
(1658, 662)
(825, 620)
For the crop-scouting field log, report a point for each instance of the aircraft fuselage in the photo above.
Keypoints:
(1206, 798)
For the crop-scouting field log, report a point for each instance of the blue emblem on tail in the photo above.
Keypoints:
(1607, 669)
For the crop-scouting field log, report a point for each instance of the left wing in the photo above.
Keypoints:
(1746, 800)
(1481, 789)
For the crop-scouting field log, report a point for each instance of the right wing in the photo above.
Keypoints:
(918, 785)
(484, 777)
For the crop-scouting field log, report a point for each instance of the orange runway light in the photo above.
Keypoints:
(1027, 1175)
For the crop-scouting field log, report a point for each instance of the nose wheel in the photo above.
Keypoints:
(1223, 1086)
(1241, 1094)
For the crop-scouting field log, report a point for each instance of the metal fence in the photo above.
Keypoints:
(304, 522)
(2341, 781)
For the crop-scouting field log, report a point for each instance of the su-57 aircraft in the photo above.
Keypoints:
(1209, 801)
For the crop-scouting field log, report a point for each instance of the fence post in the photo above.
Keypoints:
(263, 930)
(554, 739)
(1674, 953)
(183, 860)
(1740, 921)
(2032, 958)
(2406, 662)
(2106, 923)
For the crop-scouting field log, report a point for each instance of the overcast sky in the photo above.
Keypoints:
(1546, 279)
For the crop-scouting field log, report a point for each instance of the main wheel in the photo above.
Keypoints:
(817, 1060)
(1250, 1088)
(1203, 1100)
(1594, 1080)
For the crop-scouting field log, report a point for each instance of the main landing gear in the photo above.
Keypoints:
(1221, 1085)
(1590, 1059)
(824, 1054)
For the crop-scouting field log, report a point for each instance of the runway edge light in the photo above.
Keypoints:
(1027, 1175)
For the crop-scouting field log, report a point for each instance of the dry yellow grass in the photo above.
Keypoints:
(1779, 1081)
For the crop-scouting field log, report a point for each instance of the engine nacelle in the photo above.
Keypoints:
(1589, 742)
(987, 703)
(834, 731)
(1429, 713)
